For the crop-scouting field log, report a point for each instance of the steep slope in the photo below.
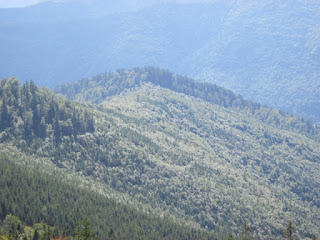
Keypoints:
(267, 51)
(191, 151)
(209, 162)
(37, 191)
(218, 163)
(52, 165)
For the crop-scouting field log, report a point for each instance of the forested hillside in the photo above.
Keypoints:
(267, 51)
(100, 87)
(192, 152)
(204, 125)
(53, 202)
(230, 133)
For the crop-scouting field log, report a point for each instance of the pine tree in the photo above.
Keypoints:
(4, 117)
(36, 119)
(36, 235)
(229, 237)
(289, 232)
(83, 231)
(51, 113)
(47, 232)
(111, 235)
(246, 232)
(57, 128)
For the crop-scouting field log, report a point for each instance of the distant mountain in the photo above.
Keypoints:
(268, 51)
(53, 11)
(191, 152)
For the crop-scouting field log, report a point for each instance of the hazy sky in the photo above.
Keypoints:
(18, 3)
(24, 3)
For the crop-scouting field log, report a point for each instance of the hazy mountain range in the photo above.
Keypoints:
(268, 51)
(166, 120)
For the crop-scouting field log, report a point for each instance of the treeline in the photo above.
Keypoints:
(100, 87)
(58, 207)
(28, 113)
(13, 228)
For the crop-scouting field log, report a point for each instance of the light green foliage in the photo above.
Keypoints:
(246, 233)
(203, 157)
(12, 226)
(100, 87)
(208, 160)
(83, 231)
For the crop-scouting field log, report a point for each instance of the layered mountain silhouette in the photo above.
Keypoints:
(268, 51)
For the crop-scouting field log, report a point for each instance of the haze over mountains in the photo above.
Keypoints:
(268, 51)
(143, 152)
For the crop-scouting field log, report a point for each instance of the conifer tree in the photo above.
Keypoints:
(84, 231)
(4, 117)
(246, 233)
(36, 235)
(289, 232)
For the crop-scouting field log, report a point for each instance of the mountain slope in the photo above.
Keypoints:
(51, 163)
(217, 164)
(37, 191)
(100, 87)
(212, 162)
(266, 51)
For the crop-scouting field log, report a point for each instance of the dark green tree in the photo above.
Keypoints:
(47, 232)
(4, 117)
(84, 231)
(230, 237)
(57, 129)
(246, 233)
(288, 234)
(36, 235)
(111, 235)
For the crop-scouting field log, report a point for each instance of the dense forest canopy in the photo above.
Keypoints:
(28, 112)
(55, 207)
(189, 151)
(209, 129)
(100, 87)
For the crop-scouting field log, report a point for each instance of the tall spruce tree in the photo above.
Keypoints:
(288, 234)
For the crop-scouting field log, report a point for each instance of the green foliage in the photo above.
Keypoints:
(83, 231)
(12, 226)
(246, 233)
(63, 204)
(28, 113)
(289, 233)
(42, 231)
(100, 87)
(200, 161)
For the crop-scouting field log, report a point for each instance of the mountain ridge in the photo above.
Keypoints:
(212, 164)
(100, 87)
(267, 52)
